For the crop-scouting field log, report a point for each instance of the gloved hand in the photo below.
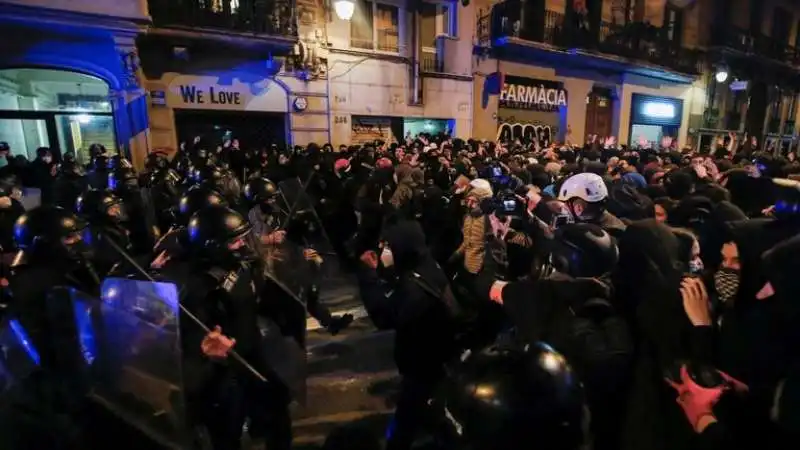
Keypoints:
(697, 401)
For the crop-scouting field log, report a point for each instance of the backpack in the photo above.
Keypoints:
(599, 344)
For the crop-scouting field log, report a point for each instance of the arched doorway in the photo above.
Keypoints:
(65, 111)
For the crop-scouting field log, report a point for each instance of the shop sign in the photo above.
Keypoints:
(194, 95)
(158, 98)
(658, 110)
(531, 94)
(738, 85)
(205, 92)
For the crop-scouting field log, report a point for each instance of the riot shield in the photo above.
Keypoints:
(21, 410)
(337, 286)
(287, 285)
(137, 371)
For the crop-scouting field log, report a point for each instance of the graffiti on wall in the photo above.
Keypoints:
(543, 133)
(369, 129)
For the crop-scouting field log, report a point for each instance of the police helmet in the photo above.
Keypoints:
(787, 199)
(212, 229)
(510, 397)
(206, 174)
(195, 199)
(122, 179)
(220, 180)
(584, 250)
(101, 205)
(259, 190)
(118, 162)
(99, 163)
(48, 231)
(156, 161)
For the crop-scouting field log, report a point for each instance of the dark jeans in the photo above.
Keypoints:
(267, 405)
(412, 405)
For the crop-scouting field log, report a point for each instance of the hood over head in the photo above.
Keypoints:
(648, 280)
(753, 237)
(406, 240)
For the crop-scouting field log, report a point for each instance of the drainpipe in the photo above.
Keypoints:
(415, 55)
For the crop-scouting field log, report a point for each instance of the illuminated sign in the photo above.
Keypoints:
(658, 110)
(530, 94)
(739, 86)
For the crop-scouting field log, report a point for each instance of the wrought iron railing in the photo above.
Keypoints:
(383, 40)
(431, 62)
(268, 17)
(745, 41)
(639, 41)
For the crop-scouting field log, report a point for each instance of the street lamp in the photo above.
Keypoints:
(344, 9)
(721, 76)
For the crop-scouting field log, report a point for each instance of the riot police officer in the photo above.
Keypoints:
(122, 181)
(266, 216)
(222, 181)
(509, 396)
(173, 243)
(221, 290)
(70, 182)
(261, 196)
(108, 219)
(52, 255)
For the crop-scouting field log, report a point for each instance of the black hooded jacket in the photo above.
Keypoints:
(424, 333)
(647, 280)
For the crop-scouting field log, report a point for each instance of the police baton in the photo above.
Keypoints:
(192, 317)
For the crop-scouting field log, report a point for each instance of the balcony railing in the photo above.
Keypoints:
(638, 41)
(384, 40)
(267, 17)
(757, 44)
(431, 62)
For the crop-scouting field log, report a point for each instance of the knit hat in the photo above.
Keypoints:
(480, 189)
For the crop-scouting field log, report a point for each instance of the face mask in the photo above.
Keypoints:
(387, 258)
(3, 161)
(696, 266)
(726, 282)
(47, 159)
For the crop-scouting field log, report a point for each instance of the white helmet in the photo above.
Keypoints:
(588, 187)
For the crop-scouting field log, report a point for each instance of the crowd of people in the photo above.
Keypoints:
(564, 297)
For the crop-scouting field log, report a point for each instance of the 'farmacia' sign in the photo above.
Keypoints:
(527, 93)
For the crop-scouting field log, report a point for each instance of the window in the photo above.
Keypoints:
(375, 26)
(797, 36)
(446, 20)
(437, 20)
(781, 26)
(673, 23)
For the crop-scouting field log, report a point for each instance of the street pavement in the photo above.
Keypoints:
(352, 377)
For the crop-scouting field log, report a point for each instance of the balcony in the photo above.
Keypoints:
(254, 18)
(740, 40)
(621, 47)
(382, 41)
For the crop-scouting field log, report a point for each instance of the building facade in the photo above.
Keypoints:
(306, 75)
(564, 71)
(69, 76)
(756, 45)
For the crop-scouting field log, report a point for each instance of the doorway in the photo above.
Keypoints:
(253, 130)
(599, 112)
(64, 111)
